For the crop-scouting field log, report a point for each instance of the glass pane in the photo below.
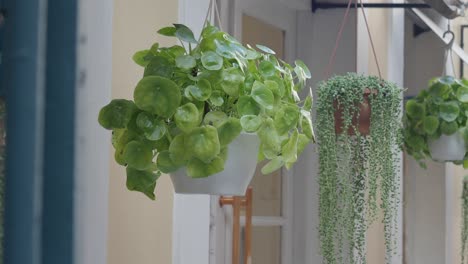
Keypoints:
(267, 193)
(266, 245)
(266, 188)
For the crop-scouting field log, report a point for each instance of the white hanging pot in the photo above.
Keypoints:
(238, 171)
(448, 148)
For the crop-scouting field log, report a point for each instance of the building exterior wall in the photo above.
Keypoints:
(140, 230)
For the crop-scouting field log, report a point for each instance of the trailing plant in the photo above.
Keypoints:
(195, 98)
(464, 228)
(440, 110)
(358, 174)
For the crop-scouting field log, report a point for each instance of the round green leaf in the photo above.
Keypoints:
(231, 80)
(199, 169)
(165, 163)
(157, 95)
(154, 48)
(178, 150)
(209, 30)
(217, 98)
(251, 123)
(306, 125)
(212, 61)
(289, 150)
(215, 118)
(185, 34)
(448, 80)
(262, 95)
(117, 114)
(269, 138)
(142, 57)
(304, 68)
(246, 105)
(186, 117)
(449, 111)
(267, 68)
(153, 128)
(286, 118)
(159, 66)
(439, 89)
(266, 49)
(273, 86)
(462, 94)
(430, 124)
(415, 110)
(119, 156)
(417, 143)
(201, 91)
(203, 143)
(142, 181)
(138, 155)
(167, 31)
(273, 165)
(448, 128)
(229, 130)
(161, 145)
(185, 62)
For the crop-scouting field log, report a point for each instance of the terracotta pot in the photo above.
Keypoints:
(362, 121)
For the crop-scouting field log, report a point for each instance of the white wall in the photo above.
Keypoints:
(316, 35)
(424, 190)
(140, 230)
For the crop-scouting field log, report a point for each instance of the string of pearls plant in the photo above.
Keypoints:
(358, 174)
(464, 227)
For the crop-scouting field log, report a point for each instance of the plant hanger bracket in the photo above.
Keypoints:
(448, 50)
(323, 5)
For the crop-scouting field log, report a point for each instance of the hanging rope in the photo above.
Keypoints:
(218, 17)
(213, 15)
(337, 42)
(370, 39)
(340, 33)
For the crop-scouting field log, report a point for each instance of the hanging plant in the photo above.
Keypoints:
(464, 228)
(358, 161)
(435, 122)
(196, 98)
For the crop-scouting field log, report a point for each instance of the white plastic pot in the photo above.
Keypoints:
(448, 148)
(238, 171)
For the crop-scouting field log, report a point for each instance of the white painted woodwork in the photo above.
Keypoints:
(94, 75)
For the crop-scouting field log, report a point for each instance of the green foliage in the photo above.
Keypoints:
(441, 109)
(464, 227)
(194, 100)
(357, 173)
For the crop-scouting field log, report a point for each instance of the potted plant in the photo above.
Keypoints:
(358, 160)
(205, 110)
(435, 122)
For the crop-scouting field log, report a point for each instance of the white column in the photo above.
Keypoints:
(191, 228)
(93, 89)
(396, 53)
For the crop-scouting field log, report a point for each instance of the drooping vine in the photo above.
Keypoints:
(358, 173)
(464, 227)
